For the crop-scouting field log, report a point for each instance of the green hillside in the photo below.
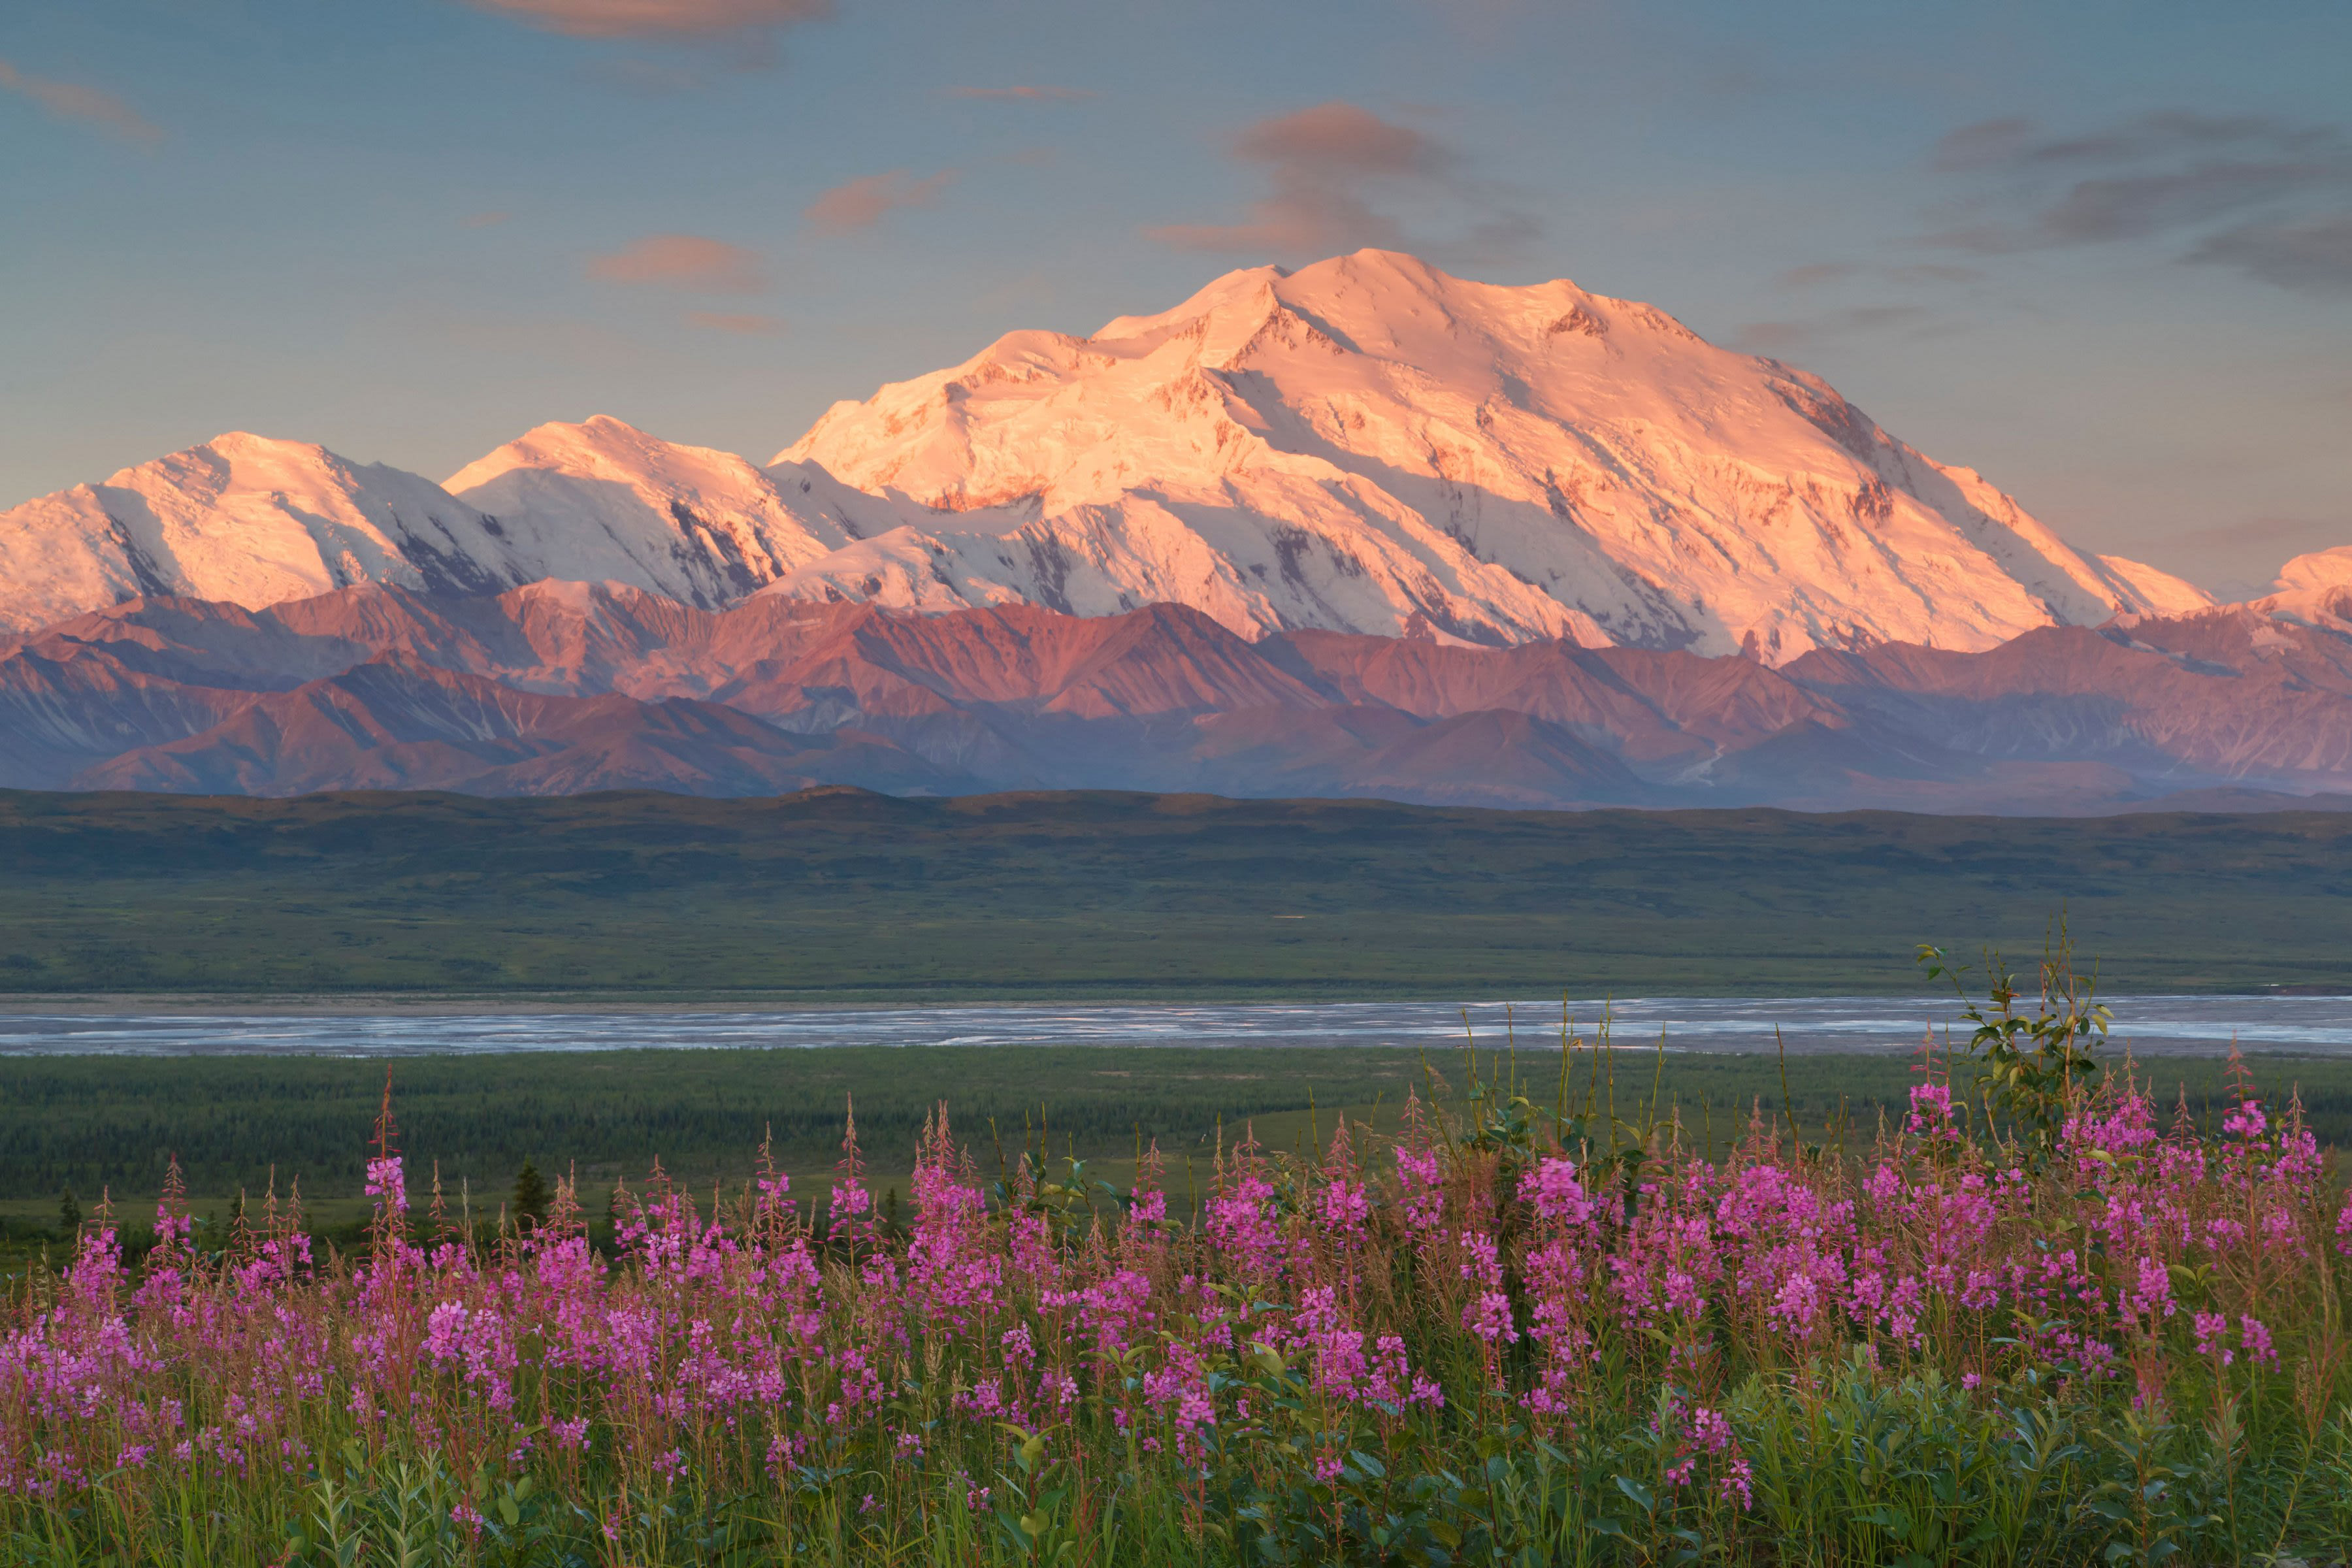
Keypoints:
(843, 895)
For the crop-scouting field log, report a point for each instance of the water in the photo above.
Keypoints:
(2151, 1025)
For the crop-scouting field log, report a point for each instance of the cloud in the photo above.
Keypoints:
(1784, 337)
(1026, 94)
(743, 326)
(2014, 142)
(2311, 255)
(1814, 274)
(656, 19)
(1328, 168)
(1934, 272)
(1339, 139)
(71, 100)
(2264, 196)
(861, 203)
(1985, 144)
(1292, 222)
(681, 261)
(2136, 206)
(2263, 530)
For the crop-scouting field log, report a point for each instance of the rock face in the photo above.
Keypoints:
(1367, 445)
(556, 688)
(1370, 444)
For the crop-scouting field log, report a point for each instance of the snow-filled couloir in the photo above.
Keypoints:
(1370, 445)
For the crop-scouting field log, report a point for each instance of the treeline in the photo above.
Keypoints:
(847, 896)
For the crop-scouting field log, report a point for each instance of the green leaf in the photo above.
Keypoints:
(1640, 1494)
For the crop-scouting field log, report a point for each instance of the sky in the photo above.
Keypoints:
(2100, 252)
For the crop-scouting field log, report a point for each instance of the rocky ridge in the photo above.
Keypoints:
(558, 687)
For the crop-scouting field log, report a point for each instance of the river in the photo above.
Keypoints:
(2150, 1026)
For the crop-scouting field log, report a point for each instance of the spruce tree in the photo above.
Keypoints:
(69, 1213)
(530, 1196)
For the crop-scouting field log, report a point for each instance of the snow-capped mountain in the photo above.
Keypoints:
(243, 519)
(1370, 444)
(256, 521)
(1367, 445)
(614, 504)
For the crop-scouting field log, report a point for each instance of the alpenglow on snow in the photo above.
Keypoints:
(1365, 445)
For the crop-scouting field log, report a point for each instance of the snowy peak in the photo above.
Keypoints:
(2313, 589)
(241, 518)
(2318, 572)
(603, 499)
(254, 522)
(1368, 444)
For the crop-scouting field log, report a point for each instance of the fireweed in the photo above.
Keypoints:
(1502, 1335)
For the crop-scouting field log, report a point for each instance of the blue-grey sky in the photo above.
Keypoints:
(2102, 252)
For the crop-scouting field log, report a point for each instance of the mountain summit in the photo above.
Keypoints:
(242, 518)
(1366, 445)
(1370, 445)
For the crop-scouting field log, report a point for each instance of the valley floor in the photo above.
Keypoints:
(845, 895)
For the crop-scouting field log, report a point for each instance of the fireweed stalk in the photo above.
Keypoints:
(1505, 1335)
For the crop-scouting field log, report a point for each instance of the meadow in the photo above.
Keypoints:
(234, 1125)
(843, 895)
(2018, 1303)
(2024, 1301)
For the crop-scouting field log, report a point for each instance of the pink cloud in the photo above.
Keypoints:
(1291, 222)
(1340, 137)
(682, 261)
(742, 325)
(71, 100)
(864, 202)
(1323, 164)
(656, 19)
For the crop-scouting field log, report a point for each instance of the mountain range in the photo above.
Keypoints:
(1361, 528)
(557, 687)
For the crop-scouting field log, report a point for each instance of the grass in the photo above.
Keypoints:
(237, 1123)
(840, 895)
